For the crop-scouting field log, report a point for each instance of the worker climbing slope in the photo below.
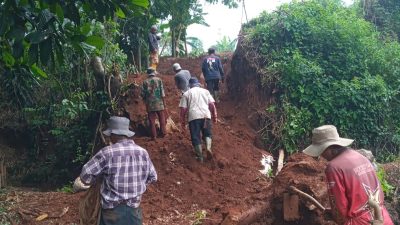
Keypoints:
(181, 78)
(153, 47)
(199, 105)
(153, 95)
(213, 73)
(126, 169)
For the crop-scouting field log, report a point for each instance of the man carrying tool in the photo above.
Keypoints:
(153, 47)
(198, 103)
(182, 78)
(126, 169)
(213, 73)
(153, 95)
(352, 182)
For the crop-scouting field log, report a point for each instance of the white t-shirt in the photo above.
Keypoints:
(196, 100)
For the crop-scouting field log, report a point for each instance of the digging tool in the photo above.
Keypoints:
(291, 203)
(308, 197)
(378, 217)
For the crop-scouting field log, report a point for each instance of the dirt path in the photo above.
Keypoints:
(186, 190)
(190, 193)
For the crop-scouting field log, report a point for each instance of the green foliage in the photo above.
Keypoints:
(67, 188)
(180, 15)
(196, 46)
(386, 187)
(45, 49)
(199, 216)
(225, 45)
(384, 14)
(330, 67)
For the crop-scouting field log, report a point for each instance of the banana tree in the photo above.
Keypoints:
(35, 34)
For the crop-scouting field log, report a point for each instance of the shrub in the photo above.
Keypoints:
(330, 68)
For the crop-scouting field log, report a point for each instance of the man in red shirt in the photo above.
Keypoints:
(351, 178)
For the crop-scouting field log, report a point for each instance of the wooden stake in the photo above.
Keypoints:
(280, 161)
(290, 207)
(3, 173)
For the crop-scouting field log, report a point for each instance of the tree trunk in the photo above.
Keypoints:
(178, 38)
(139, 58)
(3, 173)
(186, 50)
(173, 43)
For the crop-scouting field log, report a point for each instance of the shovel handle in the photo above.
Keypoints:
(307, 196)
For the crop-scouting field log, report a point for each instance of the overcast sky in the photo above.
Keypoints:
(226, 22)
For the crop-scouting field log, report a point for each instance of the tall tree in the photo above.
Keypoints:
(384, 14)
(181, 14)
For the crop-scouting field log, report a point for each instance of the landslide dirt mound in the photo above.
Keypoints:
(306, 174)
(187, 192)
(186, 187)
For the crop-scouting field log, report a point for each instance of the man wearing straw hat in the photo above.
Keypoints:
(126, 169)
(352, 181)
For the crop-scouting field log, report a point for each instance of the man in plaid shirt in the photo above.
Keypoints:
(126, 169)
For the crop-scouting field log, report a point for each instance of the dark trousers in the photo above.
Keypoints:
(212, 85)
(152, 122)
(198, 128)
(121, 215)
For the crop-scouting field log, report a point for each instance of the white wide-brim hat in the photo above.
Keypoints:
(119, 126)
(323, 137)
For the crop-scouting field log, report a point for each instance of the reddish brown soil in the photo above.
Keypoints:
(306, 174)
(186, 188)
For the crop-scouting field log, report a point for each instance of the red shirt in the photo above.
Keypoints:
(351, 179)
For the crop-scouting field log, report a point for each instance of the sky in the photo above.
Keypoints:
(227, 22)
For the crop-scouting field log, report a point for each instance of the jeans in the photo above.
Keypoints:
(212, 85)
(199, 127)
(121, 215)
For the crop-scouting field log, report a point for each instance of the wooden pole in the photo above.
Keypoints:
(308, 197)
(3, 173)
(280, 161)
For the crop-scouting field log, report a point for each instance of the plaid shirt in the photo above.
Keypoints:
(126, 169)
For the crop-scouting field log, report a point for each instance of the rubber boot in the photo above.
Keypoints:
(199, 153)
(216, 96)
(208, 147)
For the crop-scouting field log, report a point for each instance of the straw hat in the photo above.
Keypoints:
(323, 137)
(119, 126)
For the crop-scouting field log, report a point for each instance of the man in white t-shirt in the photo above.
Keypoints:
(198, 103)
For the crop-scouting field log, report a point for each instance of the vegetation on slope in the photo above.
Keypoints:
(328, 66)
